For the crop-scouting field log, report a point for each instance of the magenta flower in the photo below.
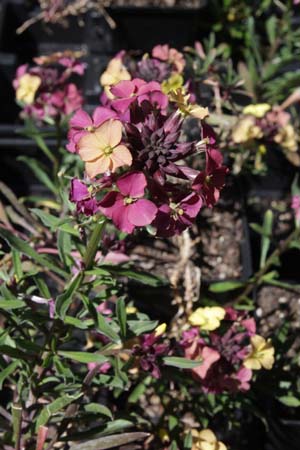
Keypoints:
(296, 207)
(127, 208)
(80, 195)
(137, 90)
(175, 217)
(82, 123)
(210, 182)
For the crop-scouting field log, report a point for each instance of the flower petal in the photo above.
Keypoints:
(121, 156)
(142, 212)
(98, 166)
(81, 119)
(132, 184)
(102, 114)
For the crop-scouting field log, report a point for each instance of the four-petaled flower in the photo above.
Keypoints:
(208, 318)
(27, 87)
(210, 182)
(127, 208)
(102, 151)
(261, 354)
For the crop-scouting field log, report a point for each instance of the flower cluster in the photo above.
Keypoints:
(137, 164)
(45, 91)
(261, 124)
(227, 347)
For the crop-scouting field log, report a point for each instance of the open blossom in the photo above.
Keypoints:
(27, 87)
(171, 55)
(221, 352)
(210, 182)
(261, 354)
(102, 151)
(173, 218)
(127, 208)
(206, 440)
(207, 318)
(82, 123)
(127, 92)
(114, 73)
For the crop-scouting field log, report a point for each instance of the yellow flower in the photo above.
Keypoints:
(187, 109)
(131, 309)
(28, 85)
(114, 73)
(286, 137)
(206, 440)
(207, 318)
(262, 354)
(173, 83)
(258, 110)
(246, 130)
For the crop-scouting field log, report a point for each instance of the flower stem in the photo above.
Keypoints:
(93, 243)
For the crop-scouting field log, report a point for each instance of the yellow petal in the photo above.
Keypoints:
(89, 147)
(258, 110)
(28, 85)
(97, 167)
(120, 156)
(198, 112)
(109, 133)
(207, 435)
(252, 363)
(160, 329)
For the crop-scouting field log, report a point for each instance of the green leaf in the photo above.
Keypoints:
(43, 146)
(142, 326)
(142, 277)
(14, 352)
(96, 408)
(5, 373)
(181, 363)
(23, 247)
(83, 357)
(54, 407)
(188, 441)
(55, 223)
(39, 171)
(225, 286)
(64, 300)
(105, 328)
(290, 400)
(266, 236)
(108, 442)
(64, 247)
(121, 315)
(17, 265)
(11, 304)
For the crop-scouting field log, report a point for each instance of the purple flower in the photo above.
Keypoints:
(210, 182)
(80, 195)
(175, 217)
(127, 208)
(149, 351)
(150, 69)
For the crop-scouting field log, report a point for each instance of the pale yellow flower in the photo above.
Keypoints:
(114, 73)
(131, 309)
(246, 130)
(287, 138)
(207, 318)
(206, 440)
(28, 85)
(261, 355)
(258, 110)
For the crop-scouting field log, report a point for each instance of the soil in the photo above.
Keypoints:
(275, 306)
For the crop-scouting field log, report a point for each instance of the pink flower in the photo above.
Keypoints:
(210, 182)
(127, 92)
(102, 368)
(244, 375)
(81, 123)
(127, 208)
(173, 56)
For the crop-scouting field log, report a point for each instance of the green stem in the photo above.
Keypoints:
(93, 244)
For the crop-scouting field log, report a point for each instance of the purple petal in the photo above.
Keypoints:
(101, 114)
(81, 119)
(78, 191)
(191, 205)
(142, 212)
(124, 89)
(132, 184)
(122, 104)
